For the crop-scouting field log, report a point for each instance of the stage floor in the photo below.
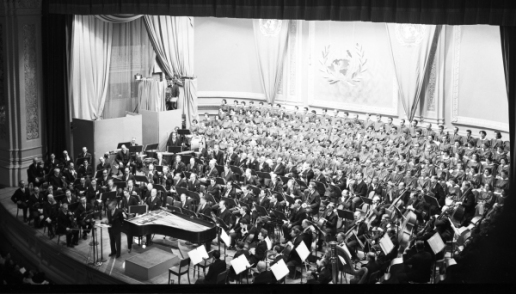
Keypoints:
(115, 267)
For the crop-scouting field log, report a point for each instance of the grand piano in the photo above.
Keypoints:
(165, 223)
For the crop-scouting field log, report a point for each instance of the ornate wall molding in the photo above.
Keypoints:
(455, 73)
(31, 81)
(3, 100)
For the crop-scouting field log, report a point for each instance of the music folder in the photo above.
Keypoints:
(280, 215)
(346, 214)
(301, 183)
(173, 149)
(278, 196)
(134, 149)
(160, 188)
(98, 174)
(194, 195)
(108, 196)
(183, 132)
(240, 264)
(284, 179)
(159, 168)
(198, 254)
(120, 185)
(256, 190)
(141, 179)
(279, 269)
(302, 251)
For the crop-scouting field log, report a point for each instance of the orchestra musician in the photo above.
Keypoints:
(81, 212)
(312, 199)
(67, 225)
(21, 197)
(357, 233)
(297, 215)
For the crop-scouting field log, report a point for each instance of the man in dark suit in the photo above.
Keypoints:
(227, 175)
(186, 202)
(32, 171)
(51, 163)
(103, 165)
(193, 184)
(66, 159)
(115, 218)
(56, 179)
(291, 170)
(174, 140)
(70, 174)
(263, 166)
(84, 155)
(218, 155)
(86, 170)
(312, 199)
(229, 191)
(211, 170)
(468, 203)
(81, 213)
(419, 265)
(203, 207)
(264, 276)
(374, 187)
(275, 184)
(297, 215)
(217, 267)
(64, 226)
(21, 197)
(230, 157)
(258, 254)
(279, 167)
(178, 165)
(437, 190)
(249, 179)
(127, 175)
(225, 214)
(360, 190)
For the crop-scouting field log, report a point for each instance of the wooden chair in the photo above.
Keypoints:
(204, 264)
(222, 278)
(179, 270)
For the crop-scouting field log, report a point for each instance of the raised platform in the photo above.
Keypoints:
(150, 264)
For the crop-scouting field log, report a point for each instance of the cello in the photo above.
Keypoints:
(407, 228)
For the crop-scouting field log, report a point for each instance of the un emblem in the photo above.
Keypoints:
(270, 27)
(410, 34)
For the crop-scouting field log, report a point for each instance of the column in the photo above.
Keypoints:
(21, 88)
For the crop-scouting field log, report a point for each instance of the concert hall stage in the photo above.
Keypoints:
(64, 265)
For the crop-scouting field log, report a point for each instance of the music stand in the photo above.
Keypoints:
(431, 200)
(185, 158)
(219, 168)
(135, 149)
(159, 168)
(263, 175)
(284, 179)
(99, 174)
(367, 200)
(289, 198)
(183, 132)
(120, 185)
(279, 215)
(119, 146)
(236, 170)
(209, 198)
(194, 195)
(162, 192)
(220, 181)
(59, 198)
(151, 146)
(261, 211)
(278, 196)
(301, 183)
(138, 209)
(256, 190)
(229, 202)
(180, 191)
(345, 214)
(141, 179)
(175, 209)
(174, 149)
(336, 190)
(108, 196)
(320, 188)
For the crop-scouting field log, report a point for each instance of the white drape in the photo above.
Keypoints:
(172, 39)
(132, 54)
(271, 49)
(91, 54)
(413, 51)
(148, 90)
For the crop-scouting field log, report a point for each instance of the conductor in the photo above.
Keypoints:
(115, 218)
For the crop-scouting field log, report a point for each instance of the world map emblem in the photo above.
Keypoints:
(410, 34)
(345, 66)
(270, 27)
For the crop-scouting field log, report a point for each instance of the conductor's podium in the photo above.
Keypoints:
(150, 264)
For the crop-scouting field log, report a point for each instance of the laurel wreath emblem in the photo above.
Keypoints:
(344, 67)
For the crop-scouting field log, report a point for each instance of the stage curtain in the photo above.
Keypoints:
(131, 54)
(271, 39)
(151, 95)
(56, 31)
(120, 18)
(91, 56)
(413, 50)
(172, 39)
(456, 12)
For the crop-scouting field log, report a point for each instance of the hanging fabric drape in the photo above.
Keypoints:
(119, 18)
(90, 60)
(271, 38)
(413, 51)
(131, 54)
(172, 39)
(148, 90)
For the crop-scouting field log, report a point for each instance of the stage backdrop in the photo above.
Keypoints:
(351, 67)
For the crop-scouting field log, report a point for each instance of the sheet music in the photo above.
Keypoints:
(386, 244)
(302, 251)
(196, 255)
(225, 237)
(240, 264)
(279, 269)
(436, 243)
(269, 243)
(22, 270)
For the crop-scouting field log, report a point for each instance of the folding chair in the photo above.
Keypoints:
(178, 270)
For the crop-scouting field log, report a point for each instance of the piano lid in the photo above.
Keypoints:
(165, 218)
